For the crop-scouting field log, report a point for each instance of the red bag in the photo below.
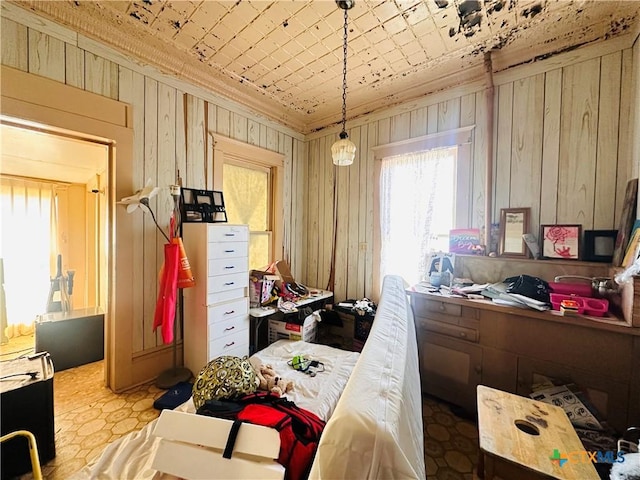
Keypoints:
(299, 429)
(165, 313)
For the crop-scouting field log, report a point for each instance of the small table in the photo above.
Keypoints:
(527, 439)
(259, 314)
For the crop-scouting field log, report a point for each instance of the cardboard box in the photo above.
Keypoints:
(308, 331)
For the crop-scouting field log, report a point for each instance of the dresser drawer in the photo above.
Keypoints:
(228, 233)
(423, 306)
(224, 283)
(227, 249)
(228, 343)
(224, 266)
(457, 331)
(228, 326)
(236, 308)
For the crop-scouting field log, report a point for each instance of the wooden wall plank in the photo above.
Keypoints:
(99, 76)
(286, 148)
(502, 170)
(362, 209)
(166, 152)
(153, 251)
(326, 212)
(131, 91)
(400, 126)
(196, 143)
(478, 166)
(526, 146)
(223, 122)
(313, 242)
(253, 132)
(239, 123)
(342, 233)
(272, 139)
(550, 148)
(181, 140)
(299, 175)
(432, 119)
(353, 213)
(468, 110)
(74, 66)
(418, 122)
(449, 114)
(14, 49)
(625, 140)
(607, 146)
(46, 56)
(578, 142)
(372, 141)
(384, 131)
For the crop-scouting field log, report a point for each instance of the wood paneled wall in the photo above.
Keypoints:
(562, 142)
(171, 122)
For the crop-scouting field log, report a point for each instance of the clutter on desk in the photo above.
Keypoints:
(274, 284)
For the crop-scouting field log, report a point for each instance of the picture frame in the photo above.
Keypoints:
(560, 242)
(514, 223)
(599, 245)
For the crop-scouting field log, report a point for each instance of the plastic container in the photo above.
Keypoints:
(595, 307)
(567, 288)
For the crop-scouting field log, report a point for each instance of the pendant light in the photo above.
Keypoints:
(344, 150)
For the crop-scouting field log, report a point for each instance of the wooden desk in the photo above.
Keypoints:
(519, 438)
(259, 314)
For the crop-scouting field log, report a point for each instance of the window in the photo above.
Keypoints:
(251, 180)
(417, 193)
(247, 194)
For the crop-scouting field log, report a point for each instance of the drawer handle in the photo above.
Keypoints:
(229, 251)
(229, 328)
(229, 283)
(230, 267)
(229, 234)
(442, 307)
(229, 312)
(463, 334)
(229, 344)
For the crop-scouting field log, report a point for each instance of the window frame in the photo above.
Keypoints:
(227, 150)
(463, 212)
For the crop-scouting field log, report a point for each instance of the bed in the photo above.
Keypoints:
(371, 402)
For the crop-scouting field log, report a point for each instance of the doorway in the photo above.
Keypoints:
(54, 244)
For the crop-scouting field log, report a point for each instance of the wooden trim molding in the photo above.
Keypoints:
(448, 138)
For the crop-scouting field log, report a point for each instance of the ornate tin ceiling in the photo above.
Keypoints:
(283, 59)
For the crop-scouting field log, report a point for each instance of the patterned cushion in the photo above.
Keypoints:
(224, 377)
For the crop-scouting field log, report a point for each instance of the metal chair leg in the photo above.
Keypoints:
(33, 450)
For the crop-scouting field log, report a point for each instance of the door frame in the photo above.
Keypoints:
(47, 105)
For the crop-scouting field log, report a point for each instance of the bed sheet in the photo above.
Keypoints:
(131, 456)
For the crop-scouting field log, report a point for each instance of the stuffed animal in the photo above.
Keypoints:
(270, 381)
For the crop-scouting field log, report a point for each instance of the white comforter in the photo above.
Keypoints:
(130, 457)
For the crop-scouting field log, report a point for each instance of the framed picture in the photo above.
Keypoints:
(599, 245)
(514, 222)
(560, 241)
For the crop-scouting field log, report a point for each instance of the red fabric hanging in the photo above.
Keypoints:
(168, 292)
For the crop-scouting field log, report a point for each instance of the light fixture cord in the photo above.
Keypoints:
(344, 76)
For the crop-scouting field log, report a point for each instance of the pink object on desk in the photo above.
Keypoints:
(567, 288)
(596, 307)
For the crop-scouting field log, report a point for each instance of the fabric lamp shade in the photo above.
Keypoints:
(343, 152)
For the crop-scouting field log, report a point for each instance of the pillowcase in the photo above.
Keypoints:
(225, 377)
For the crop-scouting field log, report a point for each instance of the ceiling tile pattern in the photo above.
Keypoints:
(289, 53)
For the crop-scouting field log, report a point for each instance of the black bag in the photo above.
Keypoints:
(532, 287)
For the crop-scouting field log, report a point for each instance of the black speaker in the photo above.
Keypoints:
(27, 404)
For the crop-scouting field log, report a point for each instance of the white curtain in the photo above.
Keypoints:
(25, 247)
(417, 193)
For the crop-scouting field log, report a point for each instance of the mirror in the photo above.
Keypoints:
(514, 222)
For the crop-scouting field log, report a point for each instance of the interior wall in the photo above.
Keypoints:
(171, 120)
(562, 145)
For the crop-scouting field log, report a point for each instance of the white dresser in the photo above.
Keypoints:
(216, 310)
